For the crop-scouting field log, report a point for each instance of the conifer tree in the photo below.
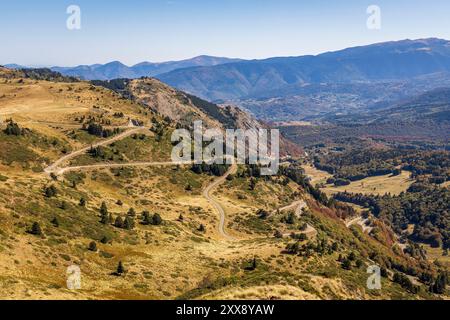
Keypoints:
(120, 268)
(156, 219)
(92, 246)
(119, 222)
(36, 229)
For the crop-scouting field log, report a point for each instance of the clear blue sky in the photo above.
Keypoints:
(35, 33)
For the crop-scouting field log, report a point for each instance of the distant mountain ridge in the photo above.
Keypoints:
(432, 105)
(116, 69)
(388, 61)
(424, 114)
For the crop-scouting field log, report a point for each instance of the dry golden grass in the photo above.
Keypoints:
(316, 176)
(373, 185)
(268, 292)
(376, 185)
(162, 262)
(437, 254)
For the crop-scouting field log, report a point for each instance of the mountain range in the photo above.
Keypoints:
(432, 105)
(116, 69)
(383, 62)
(353, 80)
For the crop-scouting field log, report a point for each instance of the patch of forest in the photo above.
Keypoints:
(425, 206)
(355, 164)
(400, 131)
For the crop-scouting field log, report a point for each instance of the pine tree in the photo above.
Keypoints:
(128, 223)
(440, 284)
(104, 219)
(156, 219)
(335, 246)
(290, 219)
(201, 228)
(146, 220)
(120, 268)
(36, 229)
(50, 191)
(104, 240)
(132, 212)
(352, 256)
(103, 209)
(92, 246)
(346, 264)
(82, 202)
(13, 129)
(119, 222)
(254, 263)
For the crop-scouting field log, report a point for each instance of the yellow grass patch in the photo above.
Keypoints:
(316, 176)
(376, 185)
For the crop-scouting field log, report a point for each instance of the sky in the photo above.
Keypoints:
(34, 33)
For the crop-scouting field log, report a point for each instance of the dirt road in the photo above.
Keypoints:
(361, 222)
(61, 171)
(56, 166)
(298, 206)
(216, 204)
(58, 169)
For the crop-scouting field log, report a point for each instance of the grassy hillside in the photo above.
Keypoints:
(155, 220)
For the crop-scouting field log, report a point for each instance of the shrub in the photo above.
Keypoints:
(50, 191)
(120, 269)
(156, 219)
(36, 229)
(13, 129)
(92, 246)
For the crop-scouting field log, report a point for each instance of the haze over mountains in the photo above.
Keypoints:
(116, 69)
(391, 61)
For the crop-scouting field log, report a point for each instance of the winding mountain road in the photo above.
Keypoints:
(58, 169)
(216, 204)
(361, 222)
(298, 207)
(56, 166)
